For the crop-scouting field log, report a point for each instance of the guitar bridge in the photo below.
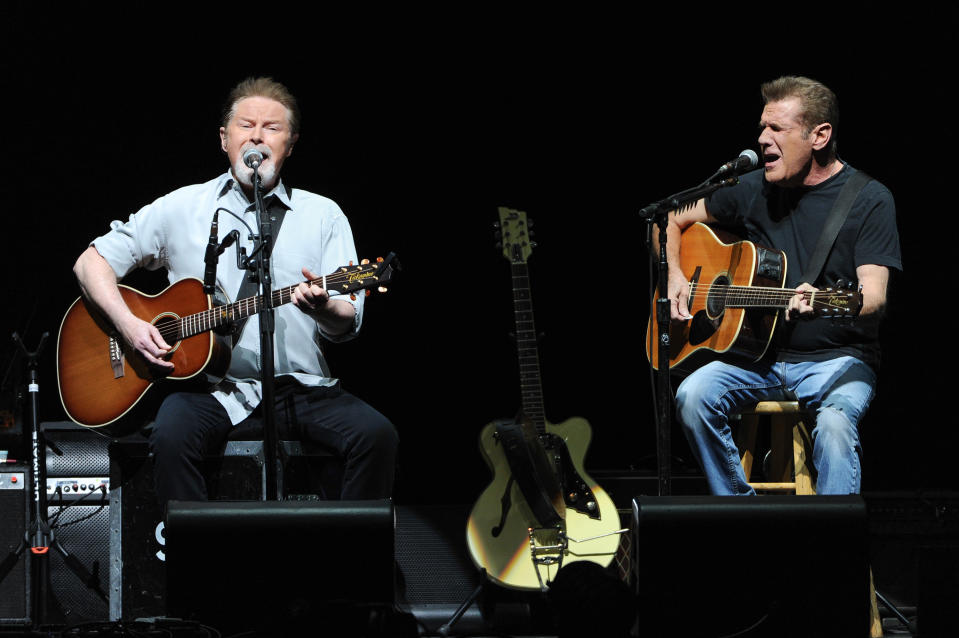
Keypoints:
(116, 357)
(547, 547)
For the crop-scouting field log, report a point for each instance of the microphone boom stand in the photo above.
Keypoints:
(658, 213)
(262, 273)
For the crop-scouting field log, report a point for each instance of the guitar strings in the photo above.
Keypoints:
(213, 317)
(758, 294)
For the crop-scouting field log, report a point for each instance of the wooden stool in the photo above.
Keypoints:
(790, 463)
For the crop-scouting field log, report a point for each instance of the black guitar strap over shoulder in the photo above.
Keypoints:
(830, 231)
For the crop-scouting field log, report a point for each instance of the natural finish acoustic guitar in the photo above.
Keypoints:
(519, 548)
(101, 378)
(735, 298)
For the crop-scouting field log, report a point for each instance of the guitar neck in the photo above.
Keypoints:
(760, 297)
(531, 385)
(344, 281)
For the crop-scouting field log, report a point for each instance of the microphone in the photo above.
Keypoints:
(253, 158)
(747, 160)
(210, 258)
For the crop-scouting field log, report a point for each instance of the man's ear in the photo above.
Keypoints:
(293, 139)
(821, 136)
(223, 139)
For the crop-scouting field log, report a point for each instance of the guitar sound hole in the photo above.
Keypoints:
(716, 299)
(167, 325)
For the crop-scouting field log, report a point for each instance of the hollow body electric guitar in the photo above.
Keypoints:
(735, 299)
(541, 508)
(101, 378)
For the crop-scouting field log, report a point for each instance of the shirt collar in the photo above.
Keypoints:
(281, 192)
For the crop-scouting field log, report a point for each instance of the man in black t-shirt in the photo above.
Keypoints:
(830, 368)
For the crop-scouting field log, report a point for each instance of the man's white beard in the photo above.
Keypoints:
(244, 174)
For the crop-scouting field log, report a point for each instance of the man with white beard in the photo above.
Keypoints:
(314, 239)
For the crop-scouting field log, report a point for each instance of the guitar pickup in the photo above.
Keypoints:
(116, 358)
(769, 265)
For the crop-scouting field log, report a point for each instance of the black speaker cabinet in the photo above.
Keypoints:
(77, 488)
(138, 537)
(278, 564)
(765, 566)
(138, 540)
(15, 508)
(83, 530)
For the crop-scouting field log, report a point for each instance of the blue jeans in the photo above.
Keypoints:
(837, 391)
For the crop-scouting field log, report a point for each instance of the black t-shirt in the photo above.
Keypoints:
(791, 220)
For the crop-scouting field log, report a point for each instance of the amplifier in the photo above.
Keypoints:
(78, 509)
(74, 450)
(83, 530)
(15, 506)
(72, 489)
(137, 537)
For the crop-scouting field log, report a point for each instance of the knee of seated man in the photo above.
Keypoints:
(834, 421)
(689, 400)
(378, 433)
(173, 419)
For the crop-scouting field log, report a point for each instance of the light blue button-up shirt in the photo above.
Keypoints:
(173, 232)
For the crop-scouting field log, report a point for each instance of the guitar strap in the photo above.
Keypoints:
(837, 217)
(530, 466)
(277, 212)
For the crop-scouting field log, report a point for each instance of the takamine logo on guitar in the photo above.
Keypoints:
(359, 276)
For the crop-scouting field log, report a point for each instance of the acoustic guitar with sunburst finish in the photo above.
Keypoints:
(101, 378)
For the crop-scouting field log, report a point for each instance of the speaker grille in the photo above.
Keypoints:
(14, 590)
(432, 557)
(84, 532)
(84, 451)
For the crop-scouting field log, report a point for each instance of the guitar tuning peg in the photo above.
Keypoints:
(498, 245)
(364, 262)
(529, 222)
(496, 225)
(381, 289)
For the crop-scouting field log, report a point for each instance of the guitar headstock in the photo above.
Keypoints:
(839, 302)
(515, 232)
(365, 276)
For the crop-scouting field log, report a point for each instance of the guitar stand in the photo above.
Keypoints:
(444, 630)
(39, 536)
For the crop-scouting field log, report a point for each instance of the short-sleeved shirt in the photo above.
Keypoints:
(791, 220)
(173, 233)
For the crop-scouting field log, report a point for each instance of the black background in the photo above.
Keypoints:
(419, 123)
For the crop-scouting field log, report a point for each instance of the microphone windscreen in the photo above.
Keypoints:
(751, 156)
(251, 156)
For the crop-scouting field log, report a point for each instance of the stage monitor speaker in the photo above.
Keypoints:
(778, 566)
(15, 507)
(274, 565)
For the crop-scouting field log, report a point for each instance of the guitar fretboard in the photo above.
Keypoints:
(531, 385)
(759, 297)
(344, 281)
